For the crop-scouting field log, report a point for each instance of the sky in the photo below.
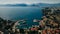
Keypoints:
(28, 1)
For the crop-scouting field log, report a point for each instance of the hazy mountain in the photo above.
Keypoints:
(14, 5)
(46, 5)
(37, 5)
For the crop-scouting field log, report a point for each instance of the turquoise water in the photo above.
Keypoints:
(17, 13)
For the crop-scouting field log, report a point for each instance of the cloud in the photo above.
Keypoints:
(50, 1)
(28, 1)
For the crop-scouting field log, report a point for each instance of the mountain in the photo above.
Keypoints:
(46, 5)
(34, 5)
(14, 5)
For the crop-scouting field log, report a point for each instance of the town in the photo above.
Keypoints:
(49, 24)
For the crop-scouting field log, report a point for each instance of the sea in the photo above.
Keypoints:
(25, 13)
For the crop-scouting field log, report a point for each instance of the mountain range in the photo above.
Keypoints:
(46, 5)
(37, 5)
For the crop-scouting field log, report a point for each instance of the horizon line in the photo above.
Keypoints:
(28, 3)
